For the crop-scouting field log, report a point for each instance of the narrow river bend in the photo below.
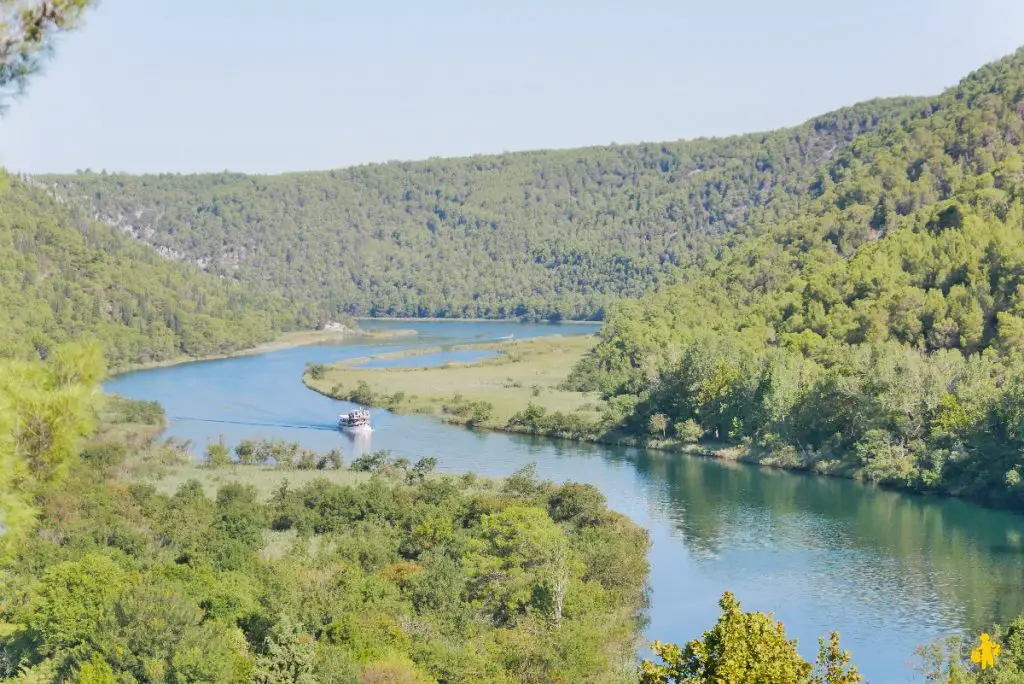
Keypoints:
(889, 571)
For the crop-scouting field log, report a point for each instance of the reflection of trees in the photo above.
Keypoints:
(563, 448)
(361, 443)
(923, 550)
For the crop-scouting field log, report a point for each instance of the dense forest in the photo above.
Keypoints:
(65, 276)
(550, 234)
(878, 333)
(386, 579)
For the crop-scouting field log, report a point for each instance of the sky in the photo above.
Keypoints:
(267, 86)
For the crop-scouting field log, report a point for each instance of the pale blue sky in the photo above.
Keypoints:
(282, 85)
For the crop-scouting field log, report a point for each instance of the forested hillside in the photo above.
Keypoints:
(540, 234)
(64, 276)
(879, 332)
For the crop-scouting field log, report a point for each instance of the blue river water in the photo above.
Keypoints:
(890, 571)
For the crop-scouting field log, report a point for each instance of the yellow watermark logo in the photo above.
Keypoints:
(986, 653)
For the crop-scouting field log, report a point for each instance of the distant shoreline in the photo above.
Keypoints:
(471, 320)
(288, 340)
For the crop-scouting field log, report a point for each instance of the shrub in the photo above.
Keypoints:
(421, 469)
(218, 454)
(362, 394)
(307, 460)
(247, 452)
(372, 462)
(145, 412)
(105, 455)
(657, 424)
(332, 459)
(688, 430)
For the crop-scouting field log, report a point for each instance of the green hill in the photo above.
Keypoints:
(64, 275)
(539, 234)
(879, 332)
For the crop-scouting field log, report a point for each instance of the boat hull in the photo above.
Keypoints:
(356, 429)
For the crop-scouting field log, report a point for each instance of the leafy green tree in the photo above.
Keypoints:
(741, 647)
(45, 409)
(657, 424)
(288, 656)
(526, 562)
(747, 648)
(687, 430)
(74, 602)
(96, 671)
(218, 455)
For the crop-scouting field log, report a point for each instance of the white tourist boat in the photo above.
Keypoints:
(355, 421)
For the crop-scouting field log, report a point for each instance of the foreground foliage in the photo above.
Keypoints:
(952, 661)
(44, 411)
(878, 334)
(747, 648)
(436, 580)
(402, 577)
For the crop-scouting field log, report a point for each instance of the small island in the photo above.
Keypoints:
(523, 388)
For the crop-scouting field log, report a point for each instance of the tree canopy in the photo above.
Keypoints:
(879, 332)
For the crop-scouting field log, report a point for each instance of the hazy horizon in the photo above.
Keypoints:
(171, 86)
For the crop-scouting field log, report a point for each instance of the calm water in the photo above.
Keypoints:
(889, 571)
(432, 359)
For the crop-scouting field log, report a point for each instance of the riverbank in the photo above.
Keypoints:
(514, 321)
(519, 391)
(140, 510)
(521, 373)
(288, 340)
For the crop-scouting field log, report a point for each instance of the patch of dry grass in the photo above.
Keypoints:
(523, 372)
(266, 479)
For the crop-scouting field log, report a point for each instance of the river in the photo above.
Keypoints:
(890, 571)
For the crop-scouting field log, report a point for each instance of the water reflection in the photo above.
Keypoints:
(360, 444)
(927, 558)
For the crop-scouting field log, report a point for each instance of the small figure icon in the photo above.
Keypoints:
(986, 652)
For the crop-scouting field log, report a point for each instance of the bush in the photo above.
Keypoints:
(136, 411)
(218, 454)
(105, 455)
(362, 394)
(688, 431)
(421, 469)
(372, 462)
(657, 424)
(247, 452)
(332, 459)
(480, 412)
(316, 370)
(307, 460)
(531, 418)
